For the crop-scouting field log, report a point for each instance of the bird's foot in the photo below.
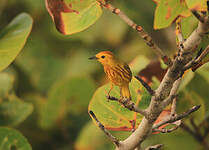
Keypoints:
(125, 101)
(111, 98)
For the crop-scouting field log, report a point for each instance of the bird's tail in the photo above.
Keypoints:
(125, 92)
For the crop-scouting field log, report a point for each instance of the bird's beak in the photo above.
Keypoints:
(94, 57)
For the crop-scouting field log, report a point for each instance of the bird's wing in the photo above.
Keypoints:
(128, 69)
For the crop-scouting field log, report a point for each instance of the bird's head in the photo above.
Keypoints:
(104, 57)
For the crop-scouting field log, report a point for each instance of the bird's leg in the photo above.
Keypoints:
(108, 93)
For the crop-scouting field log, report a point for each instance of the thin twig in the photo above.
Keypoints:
(154, 147)
(173, 107)
(197, 60)
(164, 130)
(101, 126)
(202, 55)
(177, 117)
(148, 88)
(200, 17)
(129, 105)
(140, 30)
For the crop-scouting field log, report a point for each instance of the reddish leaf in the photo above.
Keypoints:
(72, 16)
(55, 7)
(153, 69)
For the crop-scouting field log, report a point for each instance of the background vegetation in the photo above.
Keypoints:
(45, 93)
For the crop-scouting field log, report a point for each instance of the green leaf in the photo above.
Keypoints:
(69, 95)
(6, 82)
(198, 5)
(204, 72)
(195, 93)
(114, 116)
(72, 16)
(14, 111)
(202, 84)
(13, 38)
(167, 11)
(12, 139)
(187, 78)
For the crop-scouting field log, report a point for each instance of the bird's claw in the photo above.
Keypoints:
(108, 97)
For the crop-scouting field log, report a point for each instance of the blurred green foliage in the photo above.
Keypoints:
(51, 82)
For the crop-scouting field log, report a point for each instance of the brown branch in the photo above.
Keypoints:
(200, 17)
(172, 119)
(179, 32)
(195, 38)
(197, 60)
(172, 95)
(173, 107)
(203, 55)
(129, 105)
(148, 88)
(154, 147)
(110, 136)
(140, 31)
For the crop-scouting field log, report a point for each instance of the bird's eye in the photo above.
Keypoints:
(102, 56)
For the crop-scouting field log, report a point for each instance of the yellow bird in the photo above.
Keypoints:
(117, 72)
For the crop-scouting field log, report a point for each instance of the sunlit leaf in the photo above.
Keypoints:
(167, 11)
(71, 16)
(112, 114)
(14, 111)
(11, 139)
(13, 38)
(198, 5)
